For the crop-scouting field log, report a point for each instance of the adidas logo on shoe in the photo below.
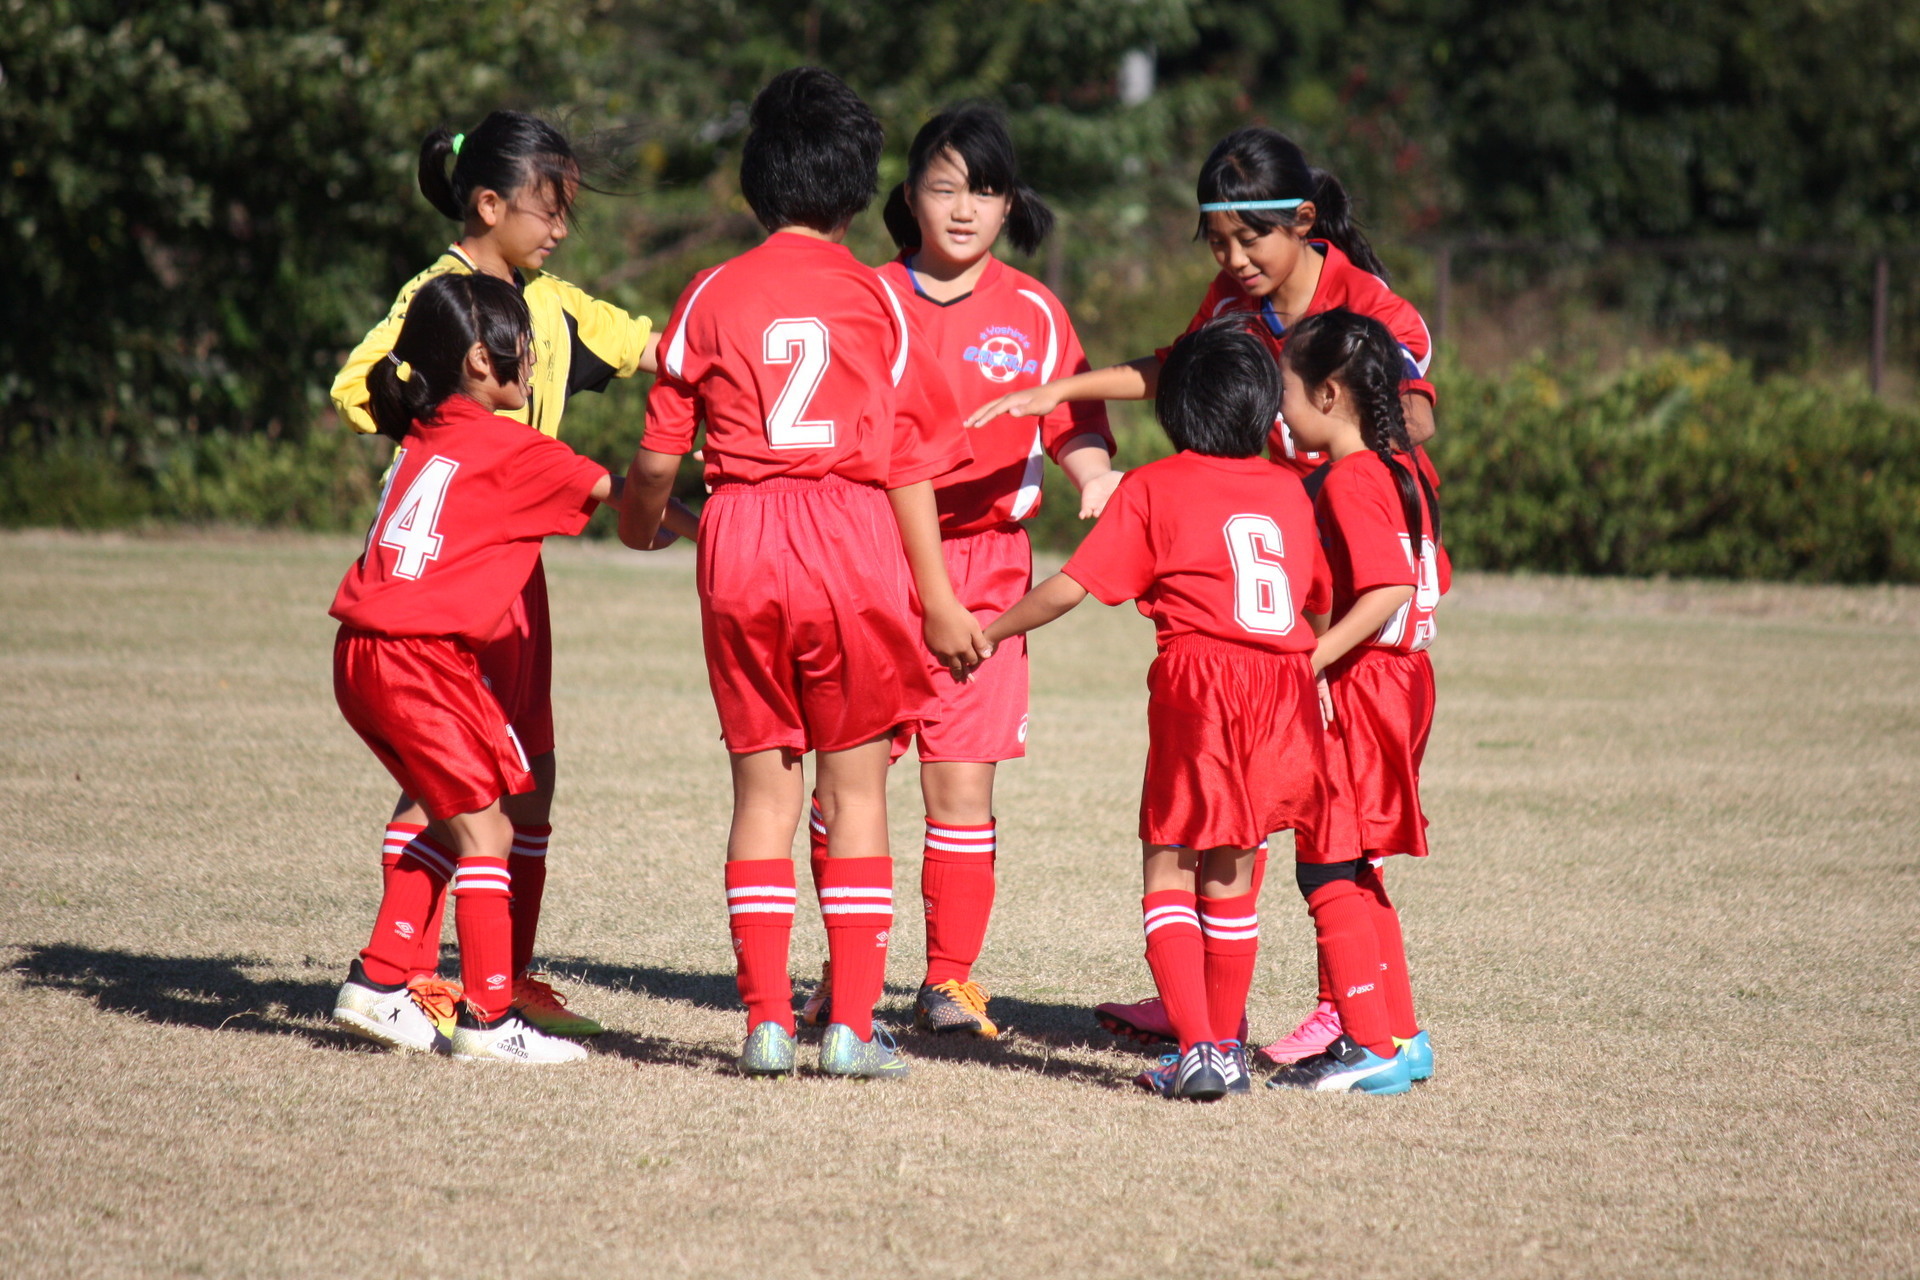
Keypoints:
(514, 1045)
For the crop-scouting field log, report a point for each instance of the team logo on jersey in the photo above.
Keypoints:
(1001, 353)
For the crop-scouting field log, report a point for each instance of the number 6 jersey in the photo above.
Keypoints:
(1220, 547)
(470, 497)
(803, 365)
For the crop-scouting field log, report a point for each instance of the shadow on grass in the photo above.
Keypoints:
(211, 992)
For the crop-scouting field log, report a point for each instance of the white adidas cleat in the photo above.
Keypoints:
(387, 1016)
(510, 1038)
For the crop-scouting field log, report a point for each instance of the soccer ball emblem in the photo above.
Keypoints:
(1000, 358)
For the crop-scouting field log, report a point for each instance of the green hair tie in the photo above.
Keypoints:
(458, 138)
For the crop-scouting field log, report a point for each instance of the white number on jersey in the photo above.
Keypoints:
(1426, 598)
(410, 530)
(786, 426)
(1262, 601)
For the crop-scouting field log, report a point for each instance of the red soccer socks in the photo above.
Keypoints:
(956, 884)
(406, 933)
(1394, 980)
(1344, 927)
(485, 927)
(527, 870)
(856, 904)
(760, 897)
(1177, 957)
(1232, 938)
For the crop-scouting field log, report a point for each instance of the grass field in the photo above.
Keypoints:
(1668, 948)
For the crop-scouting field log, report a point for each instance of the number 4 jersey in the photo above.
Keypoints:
(1364, 523)
(470, 497)
(802, 364)
(1221, 547)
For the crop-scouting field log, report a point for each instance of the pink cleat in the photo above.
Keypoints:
(1321, 1029)
(1145, 1022)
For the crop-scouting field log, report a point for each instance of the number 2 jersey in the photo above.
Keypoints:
(1363, 524)
(470, 497)
(1220, 547)
(1009, 334)
(804, 366)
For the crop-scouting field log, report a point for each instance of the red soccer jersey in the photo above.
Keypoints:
(1341, 285)
(1009, 334)
(1220, 547)
(802, 364)
(1363, 525)
(470, 496)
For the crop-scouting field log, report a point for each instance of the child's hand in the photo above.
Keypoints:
(956, 639)
(1326, 701)
(1032, 403)
(1093, 498)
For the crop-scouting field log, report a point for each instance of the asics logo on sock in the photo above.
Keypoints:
(1359, 991)
(404, 928)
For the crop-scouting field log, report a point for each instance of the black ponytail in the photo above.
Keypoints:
(445, 318)
(1361, 355)
(1257, 163)
(977, 134)
(507, 151)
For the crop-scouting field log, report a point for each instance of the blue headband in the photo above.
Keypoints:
(1228, 206)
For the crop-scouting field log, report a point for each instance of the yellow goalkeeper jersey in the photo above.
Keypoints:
(579, 344)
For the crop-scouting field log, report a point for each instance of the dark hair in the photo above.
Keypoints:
(507, 151)
(1361, 355)
(1257, 163)
(977, 134)
(812, 156)
(1219, 391)
(445, 318)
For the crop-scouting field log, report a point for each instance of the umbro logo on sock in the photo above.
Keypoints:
(404, 928)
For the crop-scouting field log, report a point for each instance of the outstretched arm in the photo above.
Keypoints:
(1134, 380)
(1088, 464)
(1051, 599)
(649, 486)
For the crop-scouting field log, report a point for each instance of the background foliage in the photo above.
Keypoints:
(204, 204)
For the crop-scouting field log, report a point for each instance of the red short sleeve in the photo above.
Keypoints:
(1364, 508)
(673, 415)
(550, 488)
(1320, 586)
(1075, 418)
(928, 441)
(1115, 561)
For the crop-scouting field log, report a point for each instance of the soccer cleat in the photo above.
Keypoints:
(1346, 1068)
(390, 1016)
(438, 998)
(1233, 1065)
(768, 1051)
(1145, 1022)
(1198, 1075)
(546, 1009)
(1319, 1029)
(842, 1053)
(510, 1038)
(954, 1006)
(1418, 1051)
(815, 1011)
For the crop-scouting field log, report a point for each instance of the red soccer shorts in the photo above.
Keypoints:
(1383, 702)
(808, 613)
(983, 719)
(1234, 746)
(518, 665)
(419, 702)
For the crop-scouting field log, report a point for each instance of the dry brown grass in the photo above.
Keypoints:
(1667, 949)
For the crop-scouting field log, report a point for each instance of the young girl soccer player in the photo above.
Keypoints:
(471, 494)
(1223, 556)
(991, 328)
(511, 185)
(826, 424)
(1284, 236)
(1380, 521)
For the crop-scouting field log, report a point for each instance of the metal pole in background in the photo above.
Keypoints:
(1879, 366)
(1442, 289)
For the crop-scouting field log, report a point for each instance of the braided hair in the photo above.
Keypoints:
(1361, 355)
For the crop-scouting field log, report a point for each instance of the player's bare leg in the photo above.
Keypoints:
(956, 886)
(856, 903)
(768, 791)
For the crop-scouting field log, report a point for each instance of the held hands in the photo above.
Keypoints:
(1093, 497)
(956, 639)
(1031, 403)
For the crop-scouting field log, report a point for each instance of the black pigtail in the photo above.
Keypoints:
(436, 150)
(901, 224)
(1333, 222)
(1029, 220)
